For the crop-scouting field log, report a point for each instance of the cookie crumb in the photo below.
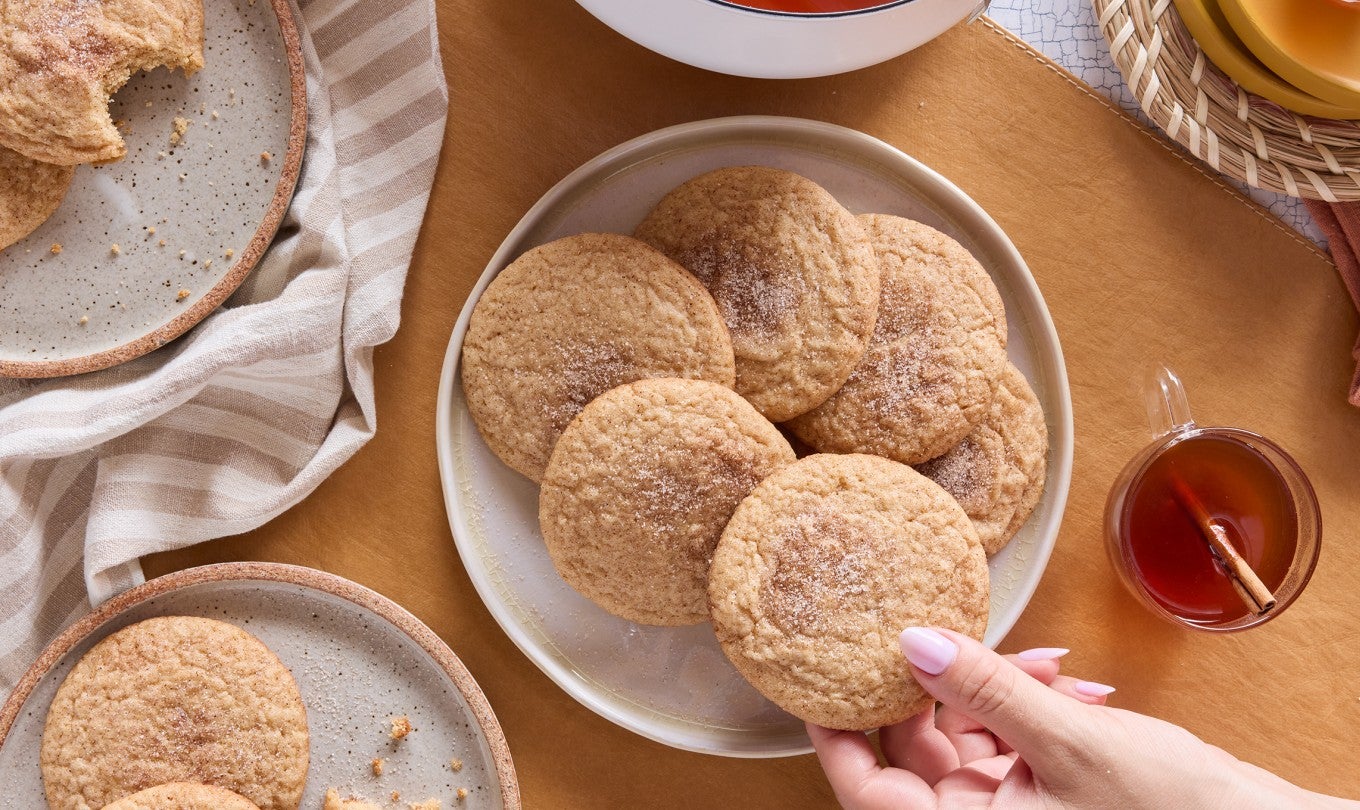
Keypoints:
(182, 294)
(182, 176)
(396, 796)
(401, 726)
(84, 319)
(266, 157)
(181, 126)
(462, 793)
(148, 104)
(229, 253)
(151, 230)
(114, 249)
(160, 156)
(428, 804)
(207, 262)
(161, 243)
(56, 248)
(456, 764)
(215, 115)
(378, 766)
(181, 253)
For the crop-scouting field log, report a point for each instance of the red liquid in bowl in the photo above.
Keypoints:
(811, 6)
(1242, 490)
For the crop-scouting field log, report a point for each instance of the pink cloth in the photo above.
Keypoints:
(1341, 223)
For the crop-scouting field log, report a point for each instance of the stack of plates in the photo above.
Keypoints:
(1302, 54)
(1264, 91)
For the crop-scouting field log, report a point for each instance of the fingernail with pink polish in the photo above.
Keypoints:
(1092, 689)
(928, 650)
(1043, 653)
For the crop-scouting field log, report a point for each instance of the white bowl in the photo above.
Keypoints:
(673, 684)
(729, 38)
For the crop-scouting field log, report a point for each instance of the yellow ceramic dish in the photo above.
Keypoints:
(1206, 23)
(1312, 44)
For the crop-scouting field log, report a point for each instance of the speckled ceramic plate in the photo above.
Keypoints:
(359, 659)
(673, 684)
(190, 220)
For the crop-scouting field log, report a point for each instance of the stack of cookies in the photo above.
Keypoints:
(60, 60)
(651, 383)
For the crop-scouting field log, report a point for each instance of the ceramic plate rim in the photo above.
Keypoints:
(311, 578)
(1061, 438)
(250, 255)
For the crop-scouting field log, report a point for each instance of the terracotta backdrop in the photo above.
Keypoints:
(1142, 256)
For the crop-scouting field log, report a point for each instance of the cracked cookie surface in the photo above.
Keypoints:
(792, 271)
(569, 320)
(640, 487)
(937, 351)
(176, 699)
(820, 569)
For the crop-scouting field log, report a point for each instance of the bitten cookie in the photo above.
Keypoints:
(821, 568)
(571, 319)
(997, 472)
(60, 60)
(29, 192)
(793, 273)
(640, 487)
(930, 371)
(183, 796)
(176, 699)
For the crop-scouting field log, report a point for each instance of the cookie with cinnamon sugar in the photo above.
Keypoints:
(997, 472)
(820, 569)
(639, 489)
(174, 699)
(60, 60)
(793, 273)
(930, 372)
(571, 319)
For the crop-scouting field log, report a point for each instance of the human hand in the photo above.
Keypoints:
(1015, 733)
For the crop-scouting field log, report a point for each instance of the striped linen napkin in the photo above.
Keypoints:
(241, 418)
(1341, 224)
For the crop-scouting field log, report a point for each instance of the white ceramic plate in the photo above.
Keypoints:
(673, 684)
(358, 659)
(731, 38)
(212, 199)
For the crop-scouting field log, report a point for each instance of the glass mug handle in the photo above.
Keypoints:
(1168, 410)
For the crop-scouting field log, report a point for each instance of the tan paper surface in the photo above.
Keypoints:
(1142, 257)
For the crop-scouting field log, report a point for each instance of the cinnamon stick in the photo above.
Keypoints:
(1249, 587)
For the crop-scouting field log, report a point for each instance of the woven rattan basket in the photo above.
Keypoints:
(1237, 133)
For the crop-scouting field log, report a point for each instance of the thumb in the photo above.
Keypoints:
(1038, 722)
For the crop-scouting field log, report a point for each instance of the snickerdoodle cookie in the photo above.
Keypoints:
(183, 796)
(793, 273)
(60, 60)
(29, 192)
(571, 319)
(820, 569)
(931, 368)
(640, 487)
(176, 699)
(997, 472)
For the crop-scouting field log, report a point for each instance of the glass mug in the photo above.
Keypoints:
(1169, 498)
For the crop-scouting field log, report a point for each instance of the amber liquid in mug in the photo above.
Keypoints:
(1241, 489)
(811, 6)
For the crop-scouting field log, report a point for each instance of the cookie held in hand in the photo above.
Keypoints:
(819, 570)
